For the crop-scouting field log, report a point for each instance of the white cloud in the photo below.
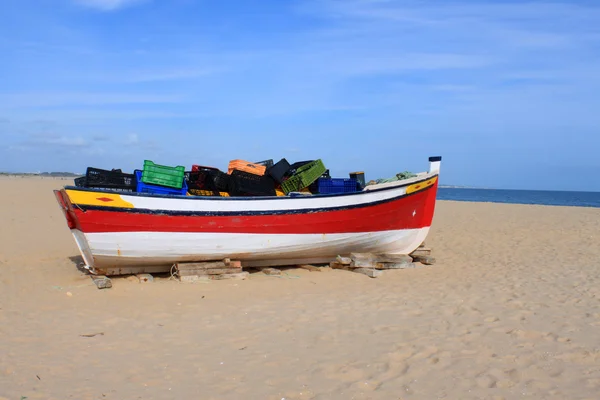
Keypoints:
(108, 5)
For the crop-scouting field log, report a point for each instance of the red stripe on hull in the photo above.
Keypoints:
(392, 215)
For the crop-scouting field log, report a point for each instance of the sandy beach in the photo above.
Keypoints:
(511, 310)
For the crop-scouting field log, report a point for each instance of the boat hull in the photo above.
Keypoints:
(116, 231)
(120, 249)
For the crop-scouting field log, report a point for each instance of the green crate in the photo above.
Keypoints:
(304, 176)
(163, 175)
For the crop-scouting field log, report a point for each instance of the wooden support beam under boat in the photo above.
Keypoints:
(209, 270)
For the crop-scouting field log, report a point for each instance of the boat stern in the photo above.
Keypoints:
(434, 164)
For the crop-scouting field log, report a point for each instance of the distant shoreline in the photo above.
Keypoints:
(43, 174)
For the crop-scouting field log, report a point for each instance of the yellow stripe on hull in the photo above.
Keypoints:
(97, 199)
(421, 185)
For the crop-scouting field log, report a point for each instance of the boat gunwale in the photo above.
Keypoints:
(287, 211)
(400, 184)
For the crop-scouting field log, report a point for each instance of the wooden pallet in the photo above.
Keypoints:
(373, 264)
(214, 270)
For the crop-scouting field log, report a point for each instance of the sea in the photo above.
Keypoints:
(542, 197)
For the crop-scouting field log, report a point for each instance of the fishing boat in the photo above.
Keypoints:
(123, 233)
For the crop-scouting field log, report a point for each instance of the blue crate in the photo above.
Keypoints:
(148, 188)
(336, 185)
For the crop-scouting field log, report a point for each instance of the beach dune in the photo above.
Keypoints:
(510, 310)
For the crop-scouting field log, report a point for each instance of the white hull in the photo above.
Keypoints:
(116, 249)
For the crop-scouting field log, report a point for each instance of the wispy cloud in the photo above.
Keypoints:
(50, 140)
(132, 139)
(61, 99)
(168, 75)
(108, 5)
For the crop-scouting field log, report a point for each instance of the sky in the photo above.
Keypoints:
(507, 92)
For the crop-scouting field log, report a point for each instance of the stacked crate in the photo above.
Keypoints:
(161, 179)
(249, 179)
(303, 176)
(104, 179)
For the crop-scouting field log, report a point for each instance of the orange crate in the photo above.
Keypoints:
(246, 166)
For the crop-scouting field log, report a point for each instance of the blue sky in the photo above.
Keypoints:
(507, 92)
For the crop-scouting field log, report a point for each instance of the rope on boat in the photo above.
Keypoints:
(172, 272)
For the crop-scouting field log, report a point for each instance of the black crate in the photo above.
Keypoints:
(278, 171)
(221, 180)
(201, 180)
(267, 163)
(80, 182)
(115, 179)
(245, 184)
(292, 170)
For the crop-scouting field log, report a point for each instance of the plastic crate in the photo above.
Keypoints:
(360, 179)
(115, 179)
(278, 171)
(80, 182)
(336, 185)
(246, 184)
(304, 176)
(201, 180)
(294, 167)
(267, 163)
(202, 167)
(221, 180)
(246, 166)
(162, 175)
(156, 189)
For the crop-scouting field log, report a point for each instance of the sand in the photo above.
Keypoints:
(510, 311)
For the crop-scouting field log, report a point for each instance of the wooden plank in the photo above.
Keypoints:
(426, 260)
(364, 260)
(210, 271)
(200, 278)
(424, 251)
(309, 267)
(133, 270)
(366, 264)
(101, 281)
(271, 271)
(397, 265)
(200, 265)
(371, 273)
(393, 258)
(343, 260)
(373, 258)
(236, 276)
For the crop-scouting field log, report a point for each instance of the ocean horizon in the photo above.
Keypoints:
(516, 196)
